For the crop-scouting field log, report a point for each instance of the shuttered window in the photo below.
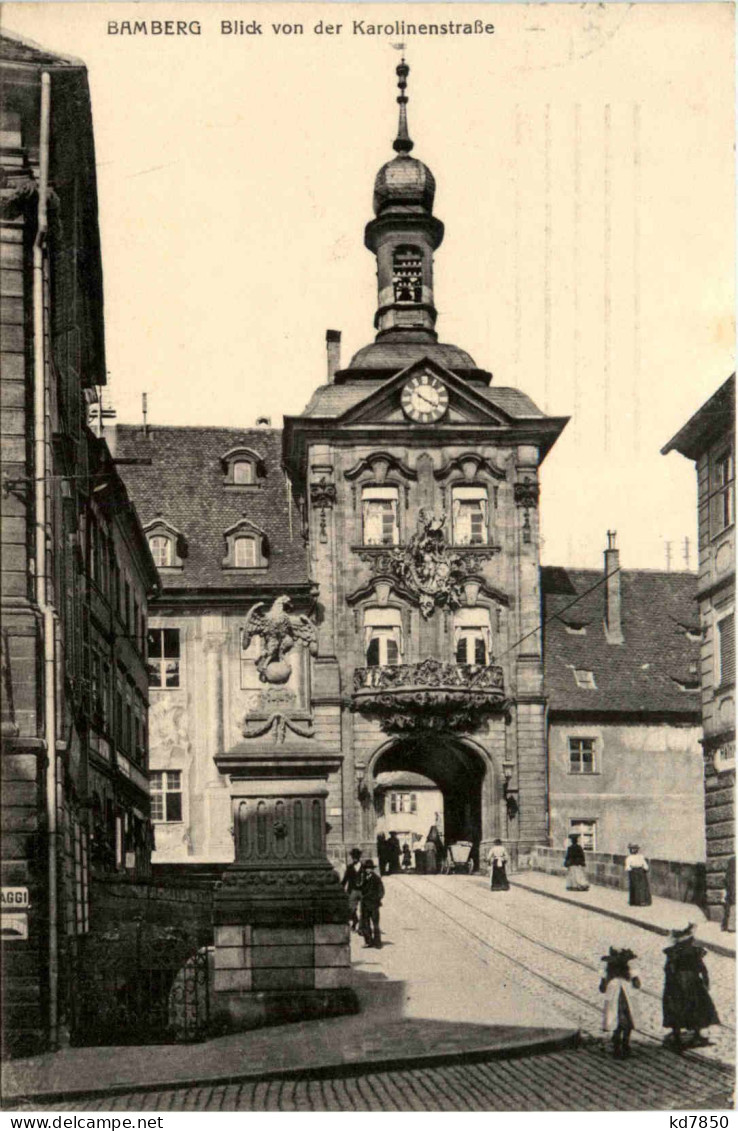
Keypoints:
(726, 638)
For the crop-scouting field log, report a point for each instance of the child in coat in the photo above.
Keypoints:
(620, 977)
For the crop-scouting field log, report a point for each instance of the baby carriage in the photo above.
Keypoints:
(458, 858)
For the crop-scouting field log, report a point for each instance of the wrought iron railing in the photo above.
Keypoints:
(430, 673)
(430, 695)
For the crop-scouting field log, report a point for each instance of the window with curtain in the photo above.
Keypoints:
(379, 509)
(243, 471)
(161, 550)
(472, 636)
(382, 637)
(470, 516)
(244, 553)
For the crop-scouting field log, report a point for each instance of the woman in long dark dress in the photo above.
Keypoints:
(639, 889)
(574, 862)
(497, 861)
(687, 1003)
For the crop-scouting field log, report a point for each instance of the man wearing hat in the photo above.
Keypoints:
(351, 882)
(372, 894)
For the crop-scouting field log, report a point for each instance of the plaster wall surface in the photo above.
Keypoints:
(646, 787)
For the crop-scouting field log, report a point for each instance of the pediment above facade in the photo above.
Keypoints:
(466, 404)
(378, 464)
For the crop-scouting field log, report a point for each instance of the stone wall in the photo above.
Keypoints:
(117, 899)
(671, 879)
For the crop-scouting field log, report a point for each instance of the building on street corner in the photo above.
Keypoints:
(76, 568)
(708, 438)
(621, 664)
(400, 518)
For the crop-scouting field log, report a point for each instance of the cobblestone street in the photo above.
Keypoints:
(585, 1079)
(459, 958)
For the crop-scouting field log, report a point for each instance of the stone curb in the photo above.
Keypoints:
(565, 1038)
(725, 951)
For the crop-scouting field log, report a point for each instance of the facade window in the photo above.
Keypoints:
(382, 637)
(587, 830)
(161, 550)
(472, 636)
(726, 650)
(722, 493)
(380, 507)
(470, 516)
(244, 553)
(403, 803)
(164, 657)
(243, 471)
(166, 795)
(582, 756)
(585, 679)
(407, 274)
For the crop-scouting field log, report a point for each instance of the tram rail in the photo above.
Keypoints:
(416, 890)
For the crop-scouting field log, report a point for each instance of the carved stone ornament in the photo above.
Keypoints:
(431, 695)
(426, 567)
(527, 493)
(323, 498)
(279, 632)
(323, 493)
(280, 724)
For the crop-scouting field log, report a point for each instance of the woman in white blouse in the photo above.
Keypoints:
(639, 889)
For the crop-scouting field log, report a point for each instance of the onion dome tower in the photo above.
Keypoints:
(403, 235)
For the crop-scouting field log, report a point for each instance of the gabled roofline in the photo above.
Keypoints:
(715, 416)
(541, 430)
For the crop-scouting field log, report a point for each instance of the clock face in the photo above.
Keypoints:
(425, 399)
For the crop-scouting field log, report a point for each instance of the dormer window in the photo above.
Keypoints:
(244, 552)
(244, 471)
(585, 679)
(243, 468)
(167, 544)
(407, 274)
(161, 550)
(247, 547)
(470, 516)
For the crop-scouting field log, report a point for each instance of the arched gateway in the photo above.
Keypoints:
(471, 784)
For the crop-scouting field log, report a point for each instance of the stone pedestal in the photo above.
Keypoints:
(282, 946)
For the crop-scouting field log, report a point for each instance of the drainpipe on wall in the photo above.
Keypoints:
(41, 477)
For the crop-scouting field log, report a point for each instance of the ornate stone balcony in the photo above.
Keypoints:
(431, 695)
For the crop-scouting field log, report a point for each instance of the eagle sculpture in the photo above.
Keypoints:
(278, 631)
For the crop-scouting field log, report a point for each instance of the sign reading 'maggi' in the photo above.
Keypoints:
(14, 899)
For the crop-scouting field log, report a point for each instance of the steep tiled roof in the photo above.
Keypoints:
(334, 400)
(184, 485)
(645, 674)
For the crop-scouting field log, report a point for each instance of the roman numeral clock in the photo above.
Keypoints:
(425, 399)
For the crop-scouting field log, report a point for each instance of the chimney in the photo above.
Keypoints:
(333, 350)
(263, 422)
(613, 622)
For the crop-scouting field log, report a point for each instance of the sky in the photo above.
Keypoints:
(584, 162)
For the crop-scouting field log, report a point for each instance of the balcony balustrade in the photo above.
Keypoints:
(431, 695)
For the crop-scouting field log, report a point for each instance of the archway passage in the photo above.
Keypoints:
(457, 770)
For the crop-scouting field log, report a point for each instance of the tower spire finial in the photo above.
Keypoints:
(403, 142)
